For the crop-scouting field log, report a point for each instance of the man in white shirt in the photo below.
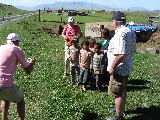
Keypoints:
(120, 52)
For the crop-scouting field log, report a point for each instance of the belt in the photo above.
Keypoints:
(84, 68)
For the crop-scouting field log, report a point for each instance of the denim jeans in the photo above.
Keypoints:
(97, 81)
(84, 76)
(74, 69)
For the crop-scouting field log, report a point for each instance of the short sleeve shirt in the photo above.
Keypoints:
(71, 32)
(10, 56)
(123, 42)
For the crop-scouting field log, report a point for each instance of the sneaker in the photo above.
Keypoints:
(65, 75)
(83, 89)
(114, 110)
(115, 118)
(76, 85)
(71, 84)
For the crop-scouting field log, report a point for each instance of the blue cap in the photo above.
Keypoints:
(119, 16)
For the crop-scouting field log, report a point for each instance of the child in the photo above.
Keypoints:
(105, 40)
(105, 43)
(91, 44)
(73, 55)
(91, 47)
(85, 60)
(97, 67)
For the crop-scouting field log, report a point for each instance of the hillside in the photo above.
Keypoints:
(9, 10)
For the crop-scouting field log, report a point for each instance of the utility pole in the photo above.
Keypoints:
(3, 17)
(39, 15)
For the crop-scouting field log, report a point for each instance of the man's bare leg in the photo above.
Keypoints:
(5, 108)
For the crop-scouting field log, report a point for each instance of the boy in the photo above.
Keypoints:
(73, 56)
(105, 43)
(97, 67)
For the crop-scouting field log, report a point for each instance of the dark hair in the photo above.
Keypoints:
(85, 42)
(92, 42)
(98, 45)
(105, 31)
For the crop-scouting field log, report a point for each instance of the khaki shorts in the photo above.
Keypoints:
(117, 84)
(12, 94)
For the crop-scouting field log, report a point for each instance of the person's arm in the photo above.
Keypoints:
(80, 34)
(119, 58)
(103, 61)
(64, 33)
(29, 68)
(91, 62)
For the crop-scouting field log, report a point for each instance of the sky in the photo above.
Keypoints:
(148, 4)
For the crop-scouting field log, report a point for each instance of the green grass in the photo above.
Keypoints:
(47, 93)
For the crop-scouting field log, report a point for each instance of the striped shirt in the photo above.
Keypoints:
(123, 42)
(85, 58)
(98, 61)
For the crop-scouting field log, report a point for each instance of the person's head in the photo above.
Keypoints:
(85, 44)
(13, 38)
(74, 42)
(91, 43)
(105, 33)
(97, 47)
(118, 19)
(71, 21)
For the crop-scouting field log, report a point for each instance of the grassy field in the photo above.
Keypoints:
(47, 94)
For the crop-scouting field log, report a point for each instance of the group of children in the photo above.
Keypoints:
(88, 62)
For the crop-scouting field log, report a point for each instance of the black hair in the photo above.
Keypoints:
(85, 42)
(98, 45)
(92, 42)
(105, 31)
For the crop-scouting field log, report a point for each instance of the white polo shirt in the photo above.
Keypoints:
(123, 42)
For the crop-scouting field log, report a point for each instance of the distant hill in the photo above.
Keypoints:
(68, 5)
(9, 10)
(76, 6)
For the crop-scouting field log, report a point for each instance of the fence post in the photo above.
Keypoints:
(39, 15)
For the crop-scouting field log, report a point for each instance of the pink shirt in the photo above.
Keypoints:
(10, 56)
(71, 32)
(85, 58)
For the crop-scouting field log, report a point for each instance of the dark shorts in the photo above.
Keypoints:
(117, 84)
(12, 94)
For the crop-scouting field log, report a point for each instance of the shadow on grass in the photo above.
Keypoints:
(89, 116)
(133, 85)
(136, 84)
(151, 113)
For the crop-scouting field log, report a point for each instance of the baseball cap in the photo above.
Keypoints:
(119, 16)
(13, 37)
(70, 19)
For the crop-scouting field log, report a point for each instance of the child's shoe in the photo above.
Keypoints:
(65, 75)
(83, 89)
